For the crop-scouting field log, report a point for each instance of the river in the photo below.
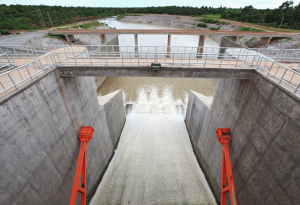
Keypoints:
(161, 91)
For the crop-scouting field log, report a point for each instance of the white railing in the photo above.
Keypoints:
(14, 79)
(280, 73)
(214, 60)
(35, 51)
(5, 60)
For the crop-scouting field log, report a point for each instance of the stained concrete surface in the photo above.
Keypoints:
(39, 143)
(154, 164)
(264, 120)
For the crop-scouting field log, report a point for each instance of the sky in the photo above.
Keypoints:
(259, 4)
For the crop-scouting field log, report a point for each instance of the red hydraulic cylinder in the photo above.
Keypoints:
(85, 135)
(227, 184)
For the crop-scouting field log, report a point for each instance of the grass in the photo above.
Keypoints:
(248, 43)
(241, 37)
(289, 39)
(213, 21)
(214, 16)
(93, 24)
(123, 15)
(149, 21)
(244, 28)
(214, 28)
(56, 37)
(204, 25)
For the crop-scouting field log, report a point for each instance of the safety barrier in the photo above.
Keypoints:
(13, 79)
(280, 73)
(146, 58)
(5, 60)
(35, 51)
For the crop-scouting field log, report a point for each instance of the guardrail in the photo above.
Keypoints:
(5, 60)
(13, 79)
(146, 58)
(35, 51)
(280, 73)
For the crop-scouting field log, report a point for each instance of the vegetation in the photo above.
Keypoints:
(267, 17)
(248, 43)
(214, 28)
(123, 15)
(21, 17)
(56, 37)
(210, 20)
(244, 28)
(204, 25)
(91, 24)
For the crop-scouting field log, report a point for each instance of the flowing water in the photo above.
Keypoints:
(161, 91)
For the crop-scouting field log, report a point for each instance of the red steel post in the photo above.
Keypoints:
(85, 135)
(227, 183)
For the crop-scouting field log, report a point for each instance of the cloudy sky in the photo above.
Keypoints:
(142, 3)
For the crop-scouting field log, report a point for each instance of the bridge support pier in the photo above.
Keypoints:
(234, 38)
(200, 46)
(264, 40)
(169, 44)
(70, 38)
(102, 39)
(136, 49)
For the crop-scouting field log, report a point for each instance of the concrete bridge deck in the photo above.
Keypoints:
(154, 163)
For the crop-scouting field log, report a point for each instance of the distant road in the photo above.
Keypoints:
(20, 39)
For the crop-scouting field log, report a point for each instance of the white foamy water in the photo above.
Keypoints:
(154, 163)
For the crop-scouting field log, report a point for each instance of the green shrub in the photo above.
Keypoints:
(4, 31)
(248, 43)
(214, 28)
(92, 24)
(244, 28)
(18, 33)
(56, 37)
(204, 25)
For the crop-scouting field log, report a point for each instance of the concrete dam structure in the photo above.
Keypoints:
(149, 158)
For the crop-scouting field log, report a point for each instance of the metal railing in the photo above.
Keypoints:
(280, 73)
(146, 58)
(5, 60)
(35, 51)
(13, 79)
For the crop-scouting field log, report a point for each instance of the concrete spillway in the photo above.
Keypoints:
(154, 164)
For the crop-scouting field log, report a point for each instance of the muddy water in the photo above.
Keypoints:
(161, 91)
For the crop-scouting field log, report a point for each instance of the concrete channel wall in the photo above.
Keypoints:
(113, 41)
(264, 121)
(225, 42)
(39, 142)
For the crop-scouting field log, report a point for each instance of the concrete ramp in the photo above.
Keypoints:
(154, 164)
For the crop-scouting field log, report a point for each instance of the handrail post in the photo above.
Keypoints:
(85, 135)
(224, 138)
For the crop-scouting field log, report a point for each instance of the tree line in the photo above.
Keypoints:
(22, 17)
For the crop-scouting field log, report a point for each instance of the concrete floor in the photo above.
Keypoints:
(154, 164)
